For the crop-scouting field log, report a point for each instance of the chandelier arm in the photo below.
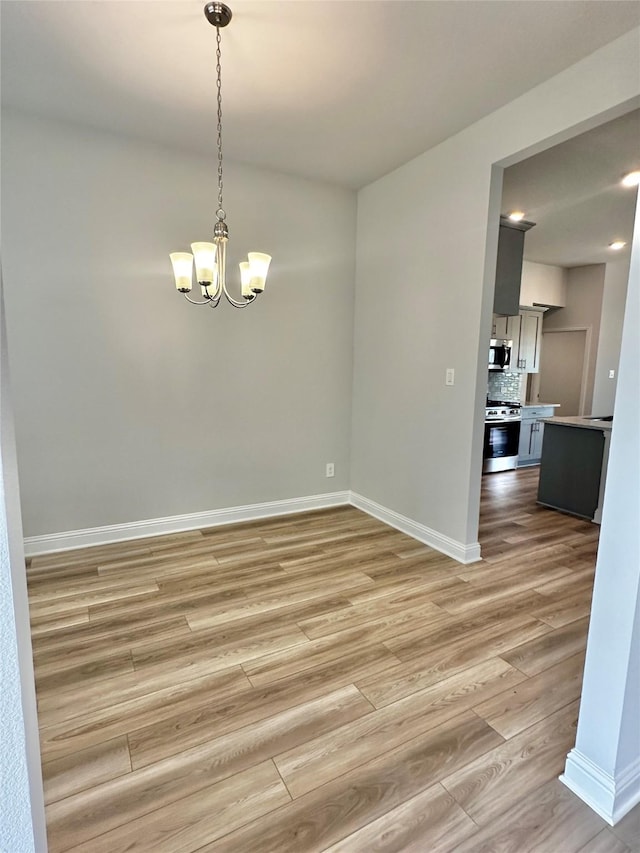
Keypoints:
(205, 302)
(235, 302)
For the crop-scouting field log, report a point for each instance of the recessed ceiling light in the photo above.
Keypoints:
(632, 179)
(617, 244)
(516, 216)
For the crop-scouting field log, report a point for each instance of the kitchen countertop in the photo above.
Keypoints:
(583, 423)
(529, 405)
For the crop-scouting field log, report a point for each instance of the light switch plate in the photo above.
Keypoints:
(449, 376)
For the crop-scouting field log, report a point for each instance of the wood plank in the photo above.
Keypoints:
(605, 842)
(269, 668)
(565, 609)
(85, 769)
(193, 726)
(330, 813)
(628, 829)
(551, 819)
(84, 701)
(445, 659)
(90, 639)
(504, 776)
(77, 601)
(83, 730)
(541, 653)
(318, 761)
(51, 624)
(532, 700)
(82, 818)
(288, 597)
(424, 822)
(223, 648)
(408, 605)
(189, 823)
(95, 669)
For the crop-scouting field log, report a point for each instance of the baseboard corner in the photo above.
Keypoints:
(439, 542)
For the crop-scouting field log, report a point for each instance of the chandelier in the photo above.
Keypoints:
(210, 258)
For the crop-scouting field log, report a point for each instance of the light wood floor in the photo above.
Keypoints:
(319, 682)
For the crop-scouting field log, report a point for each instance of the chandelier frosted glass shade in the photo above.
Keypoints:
(182, 270)
(204, 255)
(210, 258)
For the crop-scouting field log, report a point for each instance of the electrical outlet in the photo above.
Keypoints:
(330, 472)
(612, 374)
(449, 376)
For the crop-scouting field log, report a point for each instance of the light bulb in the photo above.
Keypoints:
(516, 216)
(632, 179)
(245, 280)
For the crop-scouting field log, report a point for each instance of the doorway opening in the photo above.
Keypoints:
(564, 360)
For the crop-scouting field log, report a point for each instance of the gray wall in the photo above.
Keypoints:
(424, 278)
(22, 823)
(585, 289)
(616, 278)
(130, 404)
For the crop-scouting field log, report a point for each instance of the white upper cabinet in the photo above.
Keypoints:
(525, 330)
(543, 285)
(530, 341)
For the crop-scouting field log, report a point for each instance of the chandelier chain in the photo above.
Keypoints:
(220, 211)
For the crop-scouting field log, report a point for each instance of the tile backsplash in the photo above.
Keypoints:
(504, 386)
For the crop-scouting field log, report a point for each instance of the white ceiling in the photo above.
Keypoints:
(573, 192)
(341, 91)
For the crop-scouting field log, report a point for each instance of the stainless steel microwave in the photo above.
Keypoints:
(499, 354)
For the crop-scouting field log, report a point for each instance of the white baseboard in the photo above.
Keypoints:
(50, 543)
(610, 797)
(451, 547)
(92, 536)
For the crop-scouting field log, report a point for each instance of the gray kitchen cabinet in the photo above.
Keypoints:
(571, 469)
(500, 328)
(506, 297)
(531, 434)
(508, 270)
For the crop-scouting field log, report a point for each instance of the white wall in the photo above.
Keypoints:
(425, 267)
(543, 284)
(22, 822)
(604, 767)
(131, 404)
(616, 277)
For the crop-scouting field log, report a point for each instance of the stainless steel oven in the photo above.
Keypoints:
(501, 437)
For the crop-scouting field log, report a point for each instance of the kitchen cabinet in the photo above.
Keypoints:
(571, 469)
(525, 330)
(531, 434)
(529, 342)
(506, 297)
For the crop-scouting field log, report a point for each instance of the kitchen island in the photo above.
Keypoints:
(573, 468)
